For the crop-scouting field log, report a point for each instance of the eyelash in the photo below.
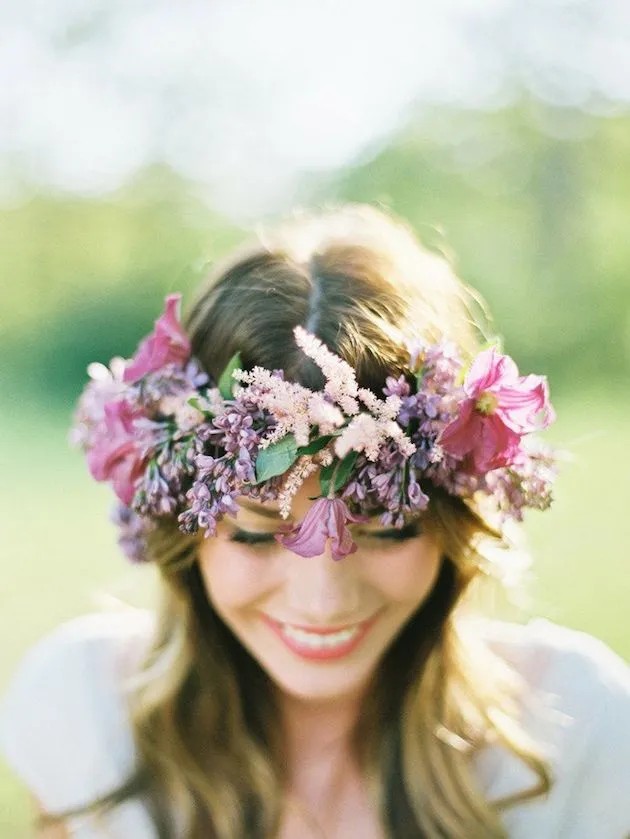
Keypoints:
(409, 531)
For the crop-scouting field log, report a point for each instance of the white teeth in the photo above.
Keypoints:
(316, 641)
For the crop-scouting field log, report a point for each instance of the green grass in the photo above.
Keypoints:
(59, 550)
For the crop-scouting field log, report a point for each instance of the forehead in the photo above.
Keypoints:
(269, 510)
(302, 500)
(308, 492)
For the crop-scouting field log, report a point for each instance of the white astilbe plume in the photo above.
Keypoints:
(287, 402)
(299, 472)
(386, 409)
(341, 384)
(213, 402)
(361, 435)
(325, 457)
(367, 433)
(395, 432)
(176, 405)
(325, 415)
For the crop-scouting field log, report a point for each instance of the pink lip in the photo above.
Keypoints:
(324, 654)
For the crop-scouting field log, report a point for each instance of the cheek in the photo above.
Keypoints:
(407, 575)
(232, 577)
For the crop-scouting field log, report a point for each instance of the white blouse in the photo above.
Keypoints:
(65, 731)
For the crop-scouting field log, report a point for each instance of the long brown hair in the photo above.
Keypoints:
(209, 743)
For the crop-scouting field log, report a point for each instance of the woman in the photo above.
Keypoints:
(321, 464)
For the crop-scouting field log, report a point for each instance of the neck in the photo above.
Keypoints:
(324, 779)
(319, 729)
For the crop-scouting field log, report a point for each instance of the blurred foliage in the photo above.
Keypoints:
(84, 278)
(531, 199)
(531, 205)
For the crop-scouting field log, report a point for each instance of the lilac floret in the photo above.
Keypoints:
(132, 532)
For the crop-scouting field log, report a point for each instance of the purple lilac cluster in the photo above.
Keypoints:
(132, 531)
(389, 486)
(397, 484)
(152, 389)
(225, 462)
(526, 483)
(168, 430)
(141, 436)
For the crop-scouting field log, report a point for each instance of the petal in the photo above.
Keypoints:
(340, 536)
(525, 406)
(326, 518)
(497, 445)
(125, 479)
(308, 538)
(458, 438)
(167, 344)
(488, 368)
(119, 461)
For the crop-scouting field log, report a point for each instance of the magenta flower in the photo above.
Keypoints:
(167, 344)
(501, 407)
(326, 519)
(116, 454)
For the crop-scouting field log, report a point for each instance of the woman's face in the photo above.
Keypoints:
(317, 626)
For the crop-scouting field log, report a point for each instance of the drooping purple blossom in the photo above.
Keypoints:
(327, 518)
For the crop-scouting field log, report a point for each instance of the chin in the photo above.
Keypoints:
(320, 687)
(321, 680)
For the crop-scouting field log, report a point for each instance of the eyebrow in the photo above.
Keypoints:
(266, 512)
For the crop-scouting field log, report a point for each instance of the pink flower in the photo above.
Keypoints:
(501, 407)
(116, 454)
(326, 519)
(167, 344)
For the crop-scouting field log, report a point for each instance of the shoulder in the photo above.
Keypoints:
(577, 668)
(577, 708)
(63, 722)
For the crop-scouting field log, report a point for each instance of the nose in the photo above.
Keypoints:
(324, 591)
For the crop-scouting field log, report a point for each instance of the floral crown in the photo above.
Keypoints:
(175, 444)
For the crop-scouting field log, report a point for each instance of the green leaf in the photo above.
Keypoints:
(315, 445)
(344, 469)
(196, 403)
(276, 458)
(325, 477)
(226, 382)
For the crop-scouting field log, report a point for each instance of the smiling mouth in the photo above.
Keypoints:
(320, 643)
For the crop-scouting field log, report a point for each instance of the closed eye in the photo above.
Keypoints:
(397, 534)
(251, 537)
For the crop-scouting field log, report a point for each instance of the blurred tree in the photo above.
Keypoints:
(531, 200)
(84, 278)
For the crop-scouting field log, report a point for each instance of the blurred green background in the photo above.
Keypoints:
(529, 198)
